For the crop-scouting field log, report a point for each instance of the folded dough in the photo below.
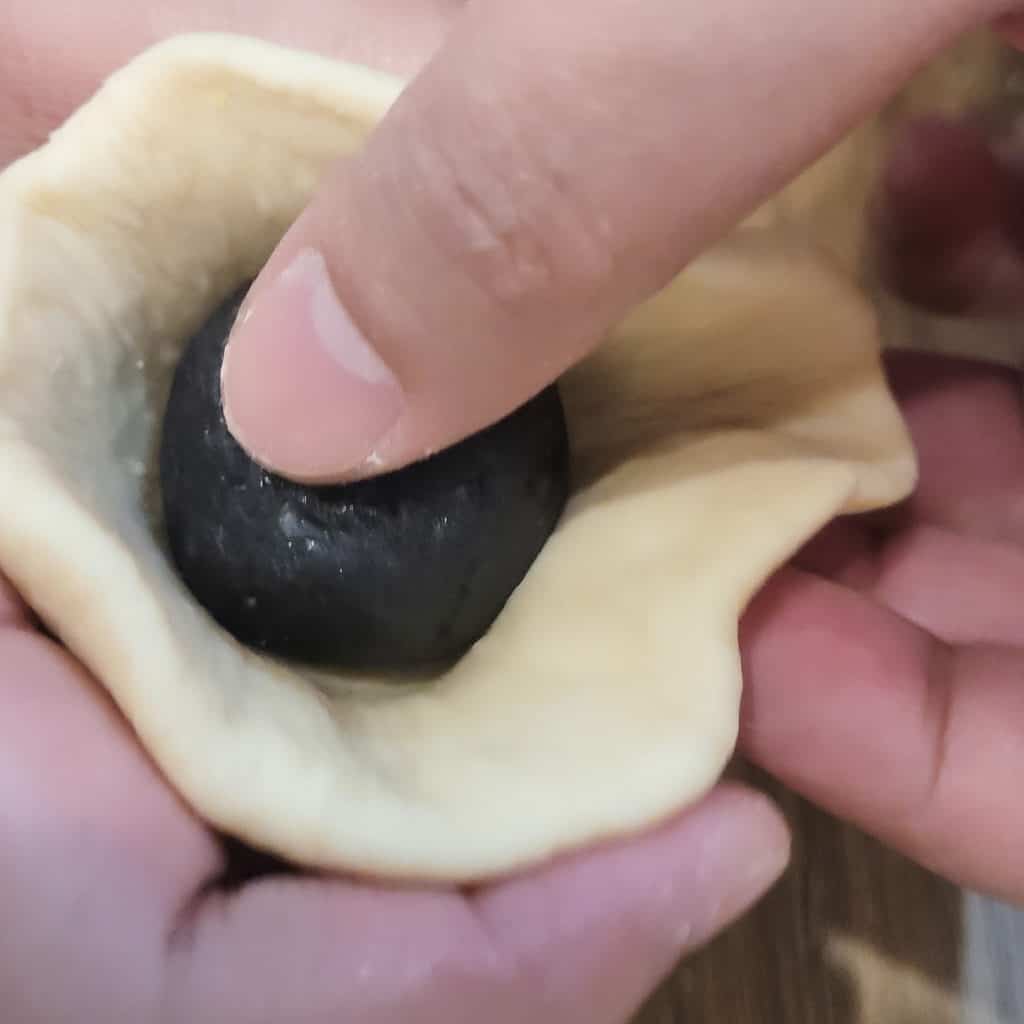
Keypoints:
(721, 426)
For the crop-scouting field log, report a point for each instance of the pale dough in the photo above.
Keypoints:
(722, 425)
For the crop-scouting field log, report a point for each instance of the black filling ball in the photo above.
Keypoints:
(393, 573)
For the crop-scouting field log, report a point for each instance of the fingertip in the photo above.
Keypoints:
(304, 392)
(836, 697)
(634, 907)
(717, 861)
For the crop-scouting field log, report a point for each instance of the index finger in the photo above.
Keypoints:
(915, 741)
(553, 165)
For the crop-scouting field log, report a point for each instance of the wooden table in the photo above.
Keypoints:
(853, 935)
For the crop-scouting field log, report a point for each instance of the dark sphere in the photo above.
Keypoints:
(393, 573)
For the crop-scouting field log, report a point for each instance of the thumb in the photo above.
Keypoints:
(598, 933)
(551, 167)
(580, 940)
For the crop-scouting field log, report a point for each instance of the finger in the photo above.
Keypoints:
(963, 590)
(869, 716)
(13, 612)
(582, 940)
(48, 67)
(600, 927)
(96, 855)
(942, 221)
(551, 166)
(967, 425)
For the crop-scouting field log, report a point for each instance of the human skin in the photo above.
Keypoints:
(119, 905)
(881, 668)
(607, 150)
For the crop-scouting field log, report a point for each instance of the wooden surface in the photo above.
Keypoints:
(854, 935)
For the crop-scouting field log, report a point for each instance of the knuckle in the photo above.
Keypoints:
(505, 213)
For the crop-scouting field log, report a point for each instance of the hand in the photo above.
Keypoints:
(551, 166)
(119, 905)
(885, 671)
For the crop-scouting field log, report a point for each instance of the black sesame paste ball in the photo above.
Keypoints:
(401, 571)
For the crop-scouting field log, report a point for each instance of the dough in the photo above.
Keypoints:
(723, 424)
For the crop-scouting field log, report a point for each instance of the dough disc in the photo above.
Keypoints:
(723, 423)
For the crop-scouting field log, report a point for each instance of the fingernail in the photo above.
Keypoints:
(304, 392)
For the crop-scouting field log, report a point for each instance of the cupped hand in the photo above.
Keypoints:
(119, 905)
